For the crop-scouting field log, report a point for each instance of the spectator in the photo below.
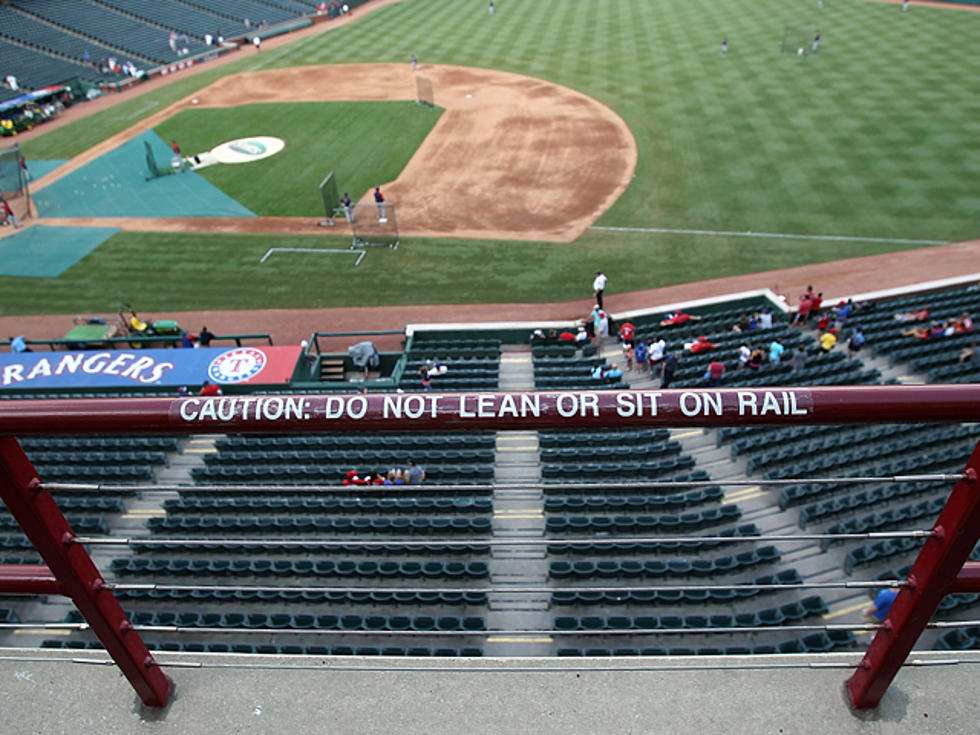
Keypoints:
(912, 316)
(627, 332)
(437, 368)
(597, 371)
(971, 353)
(668, 369)
(414, 475)
(816, 303)
(426, 380)
(757, 357)
(803, 311)
(19, 344)
(701, 345)
(843, 310)
(677, 317)
(641, 356)
(882, 604)
(775, 351)
(394, 477)
(628, 355)
(601, 323)
(186, 339)
(798, 361)
(823, 322)
(963, 324)
(828, 339)
(581, 336)
(765, 318)
(714, 373)
(613, 373)
(204, 337)
(566, 335)
(855, 341)
(655, 352)
(210, 389)
(744, 353)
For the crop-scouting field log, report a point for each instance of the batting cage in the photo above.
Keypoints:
(331, 200)
(155, 170)
(13, 180)
(375, 224)
(423, 89)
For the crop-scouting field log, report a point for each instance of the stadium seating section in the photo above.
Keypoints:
(268, 540)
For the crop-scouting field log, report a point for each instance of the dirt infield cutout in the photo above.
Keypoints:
(513, 157)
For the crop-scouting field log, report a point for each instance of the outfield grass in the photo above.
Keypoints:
(875, 136)
(364, 143)
(174, 271)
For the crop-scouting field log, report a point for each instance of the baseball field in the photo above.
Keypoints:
(569, 135)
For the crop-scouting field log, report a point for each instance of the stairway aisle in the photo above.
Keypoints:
(518, 514)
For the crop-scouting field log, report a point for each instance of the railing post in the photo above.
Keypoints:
(954, 536)
(46, 527)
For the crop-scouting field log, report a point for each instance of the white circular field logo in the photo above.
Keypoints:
(236, 365)
(244, 150)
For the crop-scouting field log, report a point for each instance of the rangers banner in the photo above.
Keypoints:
(156, 367)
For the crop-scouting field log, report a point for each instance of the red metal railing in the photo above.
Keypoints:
(938, 571)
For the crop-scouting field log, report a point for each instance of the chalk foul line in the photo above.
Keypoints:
(773, 235)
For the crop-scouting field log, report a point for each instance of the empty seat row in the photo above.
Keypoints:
(790, 612)
(582, 472)
(864, 555)
(673, 596)
(283, 650)
(101, 443)
(875, 521)
(681, 567)
(255, 524)
(309, 621)
(83, 524)
(618, 438)
(328, 504)
(960, 639)
(357, 457)
(98, 503)
(96, 457)
(300, 568)
(407, 442)
(864, 499)
(746, 530)
(619, 485)
(314, 547)
(110, 474)
(820, 642)
(309, 596)
(664, 523)
(557, 504)
(608, 452)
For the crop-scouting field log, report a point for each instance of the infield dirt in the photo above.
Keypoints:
(512, 157)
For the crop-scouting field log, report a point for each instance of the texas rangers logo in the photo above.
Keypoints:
(237, 366)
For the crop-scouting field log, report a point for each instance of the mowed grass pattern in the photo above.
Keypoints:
(364, 143)
(878, 136)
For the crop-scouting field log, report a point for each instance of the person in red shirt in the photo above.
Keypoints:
(627, 332)
(678, 317)
(702, 345)
(715, 372)
(210, 389)
(803, 313)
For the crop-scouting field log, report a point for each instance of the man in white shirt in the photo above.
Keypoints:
(599, 285)
(765, 318)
